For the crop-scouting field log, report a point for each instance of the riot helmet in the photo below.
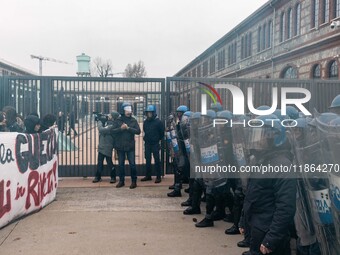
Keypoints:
(268, 134)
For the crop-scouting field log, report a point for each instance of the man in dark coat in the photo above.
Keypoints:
(153, 134)
(269, 205)
(125, 129)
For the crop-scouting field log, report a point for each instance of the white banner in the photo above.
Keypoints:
(28, 173)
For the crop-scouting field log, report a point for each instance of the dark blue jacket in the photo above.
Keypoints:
(153, 130)
(270, 204)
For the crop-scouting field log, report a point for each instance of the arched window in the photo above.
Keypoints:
(333, 70)
(282, 27)
(297, 20)
(316, 71)
(325, 11)
(289, 73)
(289, 23)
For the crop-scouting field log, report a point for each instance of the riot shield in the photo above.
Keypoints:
(240, 153)
(211, 161)
(303, 217)
(310, 154)
(329, 134)
(185, 130)
(194, 146)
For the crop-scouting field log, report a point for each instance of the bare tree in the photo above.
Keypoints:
(137, 70)
(102, 68)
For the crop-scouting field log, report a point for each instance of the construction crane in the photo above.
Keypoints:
(47, 59)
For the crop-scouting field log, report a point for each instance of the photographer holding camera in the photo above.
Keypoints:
(106, 144)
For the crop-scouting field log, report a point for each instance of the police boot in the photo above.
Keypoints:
(205, 223)
(97, 179)
(192, 210)
(243, 244)
(173, 186)
(188, 202)
(175, 193)
(232, 231)
(146, 178)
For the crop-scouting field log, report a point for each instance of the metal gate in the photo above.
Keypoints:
(73, 100)
(76, 98)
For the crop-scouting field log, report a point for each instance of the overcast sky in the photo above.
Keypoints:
(165, 34)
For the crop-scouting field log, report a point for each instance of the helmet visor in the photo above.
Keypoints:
(259, 138)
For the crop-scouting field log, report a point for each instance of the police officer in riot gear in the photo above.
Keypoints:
(269, 204)
(153, 134)
(185, 132)
(326, 196)
(215, 149)
(306, 239)
(181, 157)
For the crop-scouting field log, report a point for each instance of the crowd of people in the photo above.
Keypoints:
(117, 131)
(10, 121)
(275, 213)
(282, 212)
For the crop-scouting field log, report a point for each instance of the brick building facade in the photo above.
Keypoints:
(297, 39)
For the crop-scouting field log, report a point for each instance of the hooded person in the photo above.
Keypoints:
(11, 119)
(48, 121)
(32, 124)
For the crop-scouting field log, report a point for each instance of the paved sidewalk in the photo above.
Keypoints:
(89, 218)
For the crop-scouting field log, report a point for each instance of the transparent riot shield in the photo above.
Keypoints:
(317, 188)
(211, 161)
(240, 153)
(194, 147)
(303, 217)
(185, 130)
(329, 134)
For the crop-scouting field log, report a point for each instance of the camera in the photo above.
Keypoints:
(335, 24)
(100, 117)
